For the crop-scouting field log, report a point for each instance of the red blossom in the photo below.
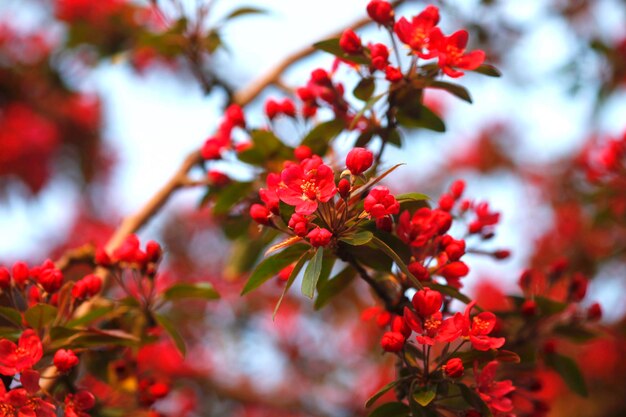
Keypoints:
(393, 74)
(299, 224)
(379, 54)
(451, 52)
(427, 302)
(269, 195)
(77, 404)
(475, 329)
(492, 392)
(87, 287)
(416, 33)
(260, 214)
(17, 358)
(306, 184)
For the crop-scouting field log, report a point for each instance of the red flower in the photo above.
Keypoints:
(475, 329)
(424, 225)
(451, 52)
(359, 160)
(392, 341)
(380, 12)
(319, 237)
(17, 358)
(77, 404)
(65, 360)
(426, 327)
(269, 195)
(213, 147)
(493, 392)
(379, 203)
(454, 368)
(306, 184)
(350, 42)
(416, 34)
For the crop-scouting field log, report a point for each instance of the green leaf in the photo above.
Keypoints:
(334, 286)
(358, 239)
(364, 89)
(312, 273)
(171, 329)
(12, 315)
(412, 197)
(380, 393)
(10, 333)
(425, 396)
(568, 370)
(270, 266)
(574, 332)
(243, 11)
(422, 118)
(488, 70)
(391, 410)
(40, 315)
(319, 137)
(396, 258)
(332, 47)
(180, 291)
(474, 399)
(549, 307)
(231, 195)
(93, 315)
(292, 277)
(454, 89)
(59, 332)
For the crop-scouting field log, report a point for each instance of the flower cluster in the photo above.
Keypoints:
(222, 139)
(421, 35)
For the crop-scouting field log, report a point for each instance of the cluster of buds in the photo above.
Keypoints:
(221, 141)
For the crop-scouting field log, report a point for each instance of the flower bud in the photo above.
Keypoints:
(380, 12)
(153, 251)
(5, 278)
(102, 258)
(350, 42)
(398, 325)
(457, 188)
(529, 308)
(578, 287)
(65, 360)
(299, 224)
(283, 274)
(359, 160)
(385, 224)
(454, 368)
(302, 152)
(454, 270)
(344, 188)
(379, 203)
(446, 202)
(427, 302)
(20, 273)
(234, 114)
(320, 77)
(393, 74)
(594, 312)
(272, 108)
(380, 56)
(319, 237)
(288, 108)
(419, 271)
(392, 341)
(260, 214)
(51, 280)
(217, 178)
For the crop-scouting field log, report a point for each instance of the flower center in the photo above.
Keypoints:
(432, 323)
(480, 325)
(309, 190)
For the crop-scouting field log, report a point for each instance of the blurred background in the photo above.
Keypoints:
(101, 101)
